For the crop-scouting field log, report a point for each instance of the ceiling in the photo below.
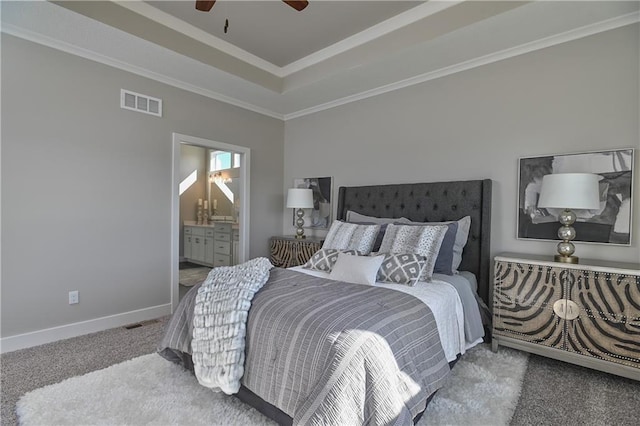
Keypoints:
(279, 34)
(283, 63)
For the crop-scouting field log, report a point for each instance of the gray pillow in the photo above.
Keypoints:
(462, 235)
(444, 261)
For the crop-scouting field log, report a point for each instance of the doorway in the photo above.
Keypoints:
(241, 215)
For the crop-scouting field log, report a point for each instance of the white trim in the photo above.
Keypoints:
(245, 196)
(196, 33)
(88, 54)
(522, 49)
(385, 27)
(584, 31)
(40, 337)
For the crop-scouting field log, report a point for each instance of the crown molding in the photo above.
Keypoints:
(542, 43)
(522, 49)
(170, 21)
(385, 27)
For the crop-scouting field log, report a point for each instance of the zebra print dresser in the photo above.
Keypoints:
(285, 252)
(587, 314)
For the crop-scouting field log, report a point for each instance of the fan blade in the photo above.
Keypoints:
(297, 5)
(205, 6)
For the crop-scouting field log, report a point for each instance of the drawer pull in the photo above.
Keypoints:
(566, 309)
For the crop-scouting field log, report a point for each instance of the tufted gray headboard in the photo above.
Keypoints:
(433, 202)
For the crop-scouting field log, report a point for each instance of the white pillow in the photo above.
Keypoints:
(351, 236)
(356, 269)
(357, 217)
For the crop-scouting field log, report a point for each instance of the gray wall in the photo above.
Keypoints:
(86, 186)
(578, 96)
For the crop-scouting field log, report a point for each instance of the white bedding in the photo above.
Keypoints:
(443, 300)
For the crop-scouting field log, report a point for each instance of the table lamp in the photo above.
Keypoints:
(300, 198)
(569, 191)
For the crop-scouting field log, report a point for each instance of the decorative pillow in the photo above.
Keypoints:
(444, 262)
(401, 268)
(462, 235)
(324, 259)
(350, 236)
(357, 217)
(356, 269)
(378, 241)
(424, 240)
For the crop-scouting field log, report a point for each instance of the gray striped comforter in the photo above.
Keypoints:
(328, 352)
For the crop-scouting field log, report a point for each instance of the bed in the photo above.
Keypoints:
(296, 390)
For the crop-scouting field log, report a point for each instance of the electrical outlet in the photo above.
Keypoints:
(73, 297)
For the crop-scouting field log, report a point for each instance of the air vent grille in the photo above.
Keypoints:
(141, 103)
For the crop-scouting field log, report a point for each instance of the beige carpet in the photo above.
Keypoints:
(192, 276)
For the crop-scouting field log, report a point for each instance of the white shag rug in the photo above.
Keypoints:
(483, 390)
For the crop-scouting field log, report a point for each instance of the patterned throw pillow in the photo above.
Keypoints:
(461, 237)
(350, 236)
(324, 259)
(401, 268)
(423, 240)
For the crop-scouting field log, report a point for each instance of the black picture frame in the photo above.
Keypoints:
(319, 217)
(611, 224)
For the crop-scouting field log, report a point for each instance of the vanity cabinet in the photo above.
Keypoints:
(199, 245)
(222, 244)
(587, 314)
(211, 245)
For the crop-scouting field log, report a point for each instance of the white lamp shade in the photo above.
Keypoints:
(570, 191)
(300, 198)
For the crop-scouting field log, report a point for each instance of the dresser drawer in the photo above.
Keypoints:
(222, 227)
(222, 247)
(222, 237)
(222, 260)
(196, 230)
(208, 232)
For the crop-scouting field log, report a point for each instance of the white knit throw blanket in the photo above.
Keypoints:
(219, 323)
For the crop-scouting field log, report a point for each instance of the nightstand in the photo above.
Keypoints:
(285, 252)
(587, 314)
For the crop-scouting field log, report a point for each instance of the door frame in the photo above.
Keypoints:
(245, 174)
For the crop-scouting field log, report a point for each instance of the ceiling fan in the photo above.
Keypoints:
(206, 6)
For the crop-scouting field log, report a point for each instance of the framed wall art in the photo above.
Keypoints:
(319, 216)
(609, 224)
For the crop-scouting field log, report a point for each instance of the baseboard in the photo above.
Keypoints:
(48, 335)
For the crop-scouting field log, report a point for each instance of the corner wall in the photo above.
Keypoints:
(575, 97)
(86, 188)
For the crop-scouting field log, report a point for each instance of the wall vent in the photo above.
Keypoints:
(141, 103)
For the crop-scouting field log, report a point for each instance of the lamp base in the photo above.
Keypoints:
(300, 237)
(565, 259)
(299, 225)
